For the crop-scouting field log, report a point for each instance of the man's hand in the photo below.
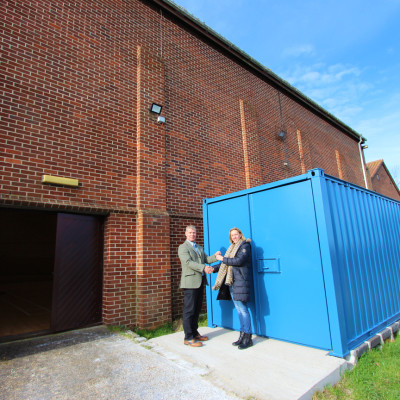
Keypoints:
(208, 269)
(219, 257)
(217, 253)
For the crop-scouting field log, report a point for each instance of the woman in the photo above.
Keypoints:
(236, 269)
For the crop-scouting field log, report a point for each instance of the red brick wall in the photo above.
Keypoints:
(383, 184)
(120, 281)
(78, 79)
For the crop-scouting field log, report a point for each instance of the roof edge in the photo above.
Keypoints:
(184, 16)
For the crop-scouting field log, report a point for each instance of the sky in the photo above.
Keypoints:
(342, 54)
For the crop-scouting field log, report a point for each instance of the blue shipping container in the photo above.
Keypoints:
(326, 260)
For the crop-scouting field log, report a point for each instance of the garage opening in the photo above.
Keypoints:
(27, 246)
(50, 272)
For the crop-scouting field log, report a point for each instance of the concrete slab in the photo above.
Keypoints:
(270, 370)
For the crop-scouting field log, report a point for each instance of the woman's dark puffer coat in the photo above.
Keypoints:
(241, 264)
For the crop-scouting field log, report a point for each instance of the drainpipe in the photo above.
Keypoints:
(362, 161)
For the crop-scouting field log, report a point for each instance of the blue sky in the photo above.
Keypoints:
(343, 54)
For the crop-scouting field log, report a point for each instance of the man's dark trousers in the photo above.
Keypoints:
(192, 304)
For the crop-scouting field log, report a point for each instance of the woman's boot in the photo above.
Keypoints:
(246, 342)
(239, 340)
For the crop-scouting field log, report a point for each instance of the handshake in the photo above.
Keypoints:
(208, 269)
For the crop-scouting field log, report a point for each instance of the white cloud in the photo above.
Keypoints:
(318, 74)
(305, 49)
(338, 88)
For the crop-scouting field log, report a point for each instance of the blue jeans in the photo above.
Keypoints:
(244, 315)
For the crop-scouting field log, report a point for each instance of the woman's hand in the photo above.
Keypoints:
(219, 257)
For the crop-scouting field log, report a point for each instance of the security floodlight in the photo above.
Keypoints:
(156, 108)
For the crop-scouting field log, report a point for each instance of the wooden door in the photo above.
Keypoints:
(78, 272)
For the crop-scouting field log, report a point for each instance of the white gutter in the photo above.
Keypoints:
(362, 161)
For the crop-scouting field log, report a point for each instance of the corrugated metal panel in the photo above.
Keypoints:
(364, 249)
(325, 255)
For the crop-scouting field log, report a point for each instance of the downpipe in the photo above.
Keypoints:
(362, 161)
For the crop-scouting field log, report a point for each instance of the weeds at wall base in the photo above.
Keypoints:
(166, 329)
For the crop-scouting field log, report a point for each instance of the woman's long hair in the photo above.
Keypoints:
(240, 233)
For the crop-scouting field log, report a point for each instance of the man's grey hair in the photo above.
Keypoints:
(190, 227)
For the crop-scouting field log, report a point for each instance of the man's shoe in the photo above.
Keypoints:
(201, 338)
(193, 343)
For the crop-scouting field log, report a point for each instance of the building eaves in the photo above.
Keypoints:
(205, 31)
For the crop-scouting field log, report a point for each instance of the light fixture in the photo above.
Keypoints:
(160, 119)
(58, 180)
(282, 134)
(365, 146)
(156, 108)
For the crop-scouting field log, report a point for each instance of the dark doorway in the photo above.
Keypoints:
(45, 262)
(27, 246)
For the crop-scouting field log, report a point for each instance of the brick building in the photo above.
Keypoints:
(78, 80)
(382, 180)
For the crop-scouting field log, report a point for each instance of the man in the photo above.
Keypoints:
(193, 260)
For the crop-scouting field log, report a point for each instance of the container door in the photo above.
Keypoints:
(77, 289)
(224, 216)
(290, 292)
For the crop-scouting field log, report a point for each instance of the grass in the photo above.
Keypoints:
(159, 331)
(162, 330)
(376, 376)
